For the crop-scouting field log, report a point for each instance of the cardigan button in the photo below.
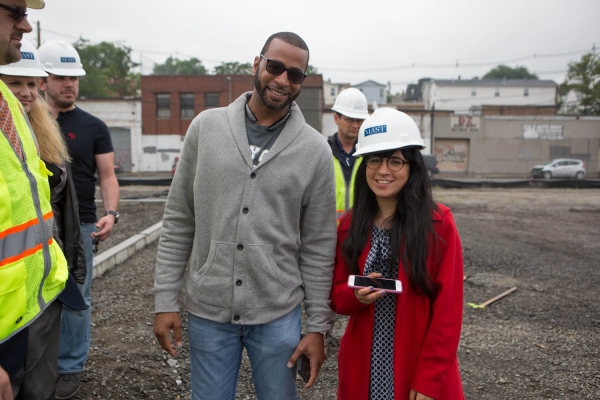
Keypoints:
(245, 210)
(238, 282)
(240, 247)
(253, 175)
(236, 318)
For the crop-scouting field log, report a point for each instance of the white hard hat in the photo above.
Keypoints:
(60, 58)
(35, 4)
(387, 129)
(352, 103)
(29, 65)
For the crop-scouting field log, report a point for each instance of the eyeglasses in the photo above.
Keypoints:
(276, 68)
(18, 13)
(393, 163)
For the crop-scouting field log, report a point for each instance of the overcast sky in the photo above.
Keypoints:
(349, 41)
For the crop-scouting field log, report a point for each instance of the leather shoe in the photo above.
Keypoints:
(67, 385)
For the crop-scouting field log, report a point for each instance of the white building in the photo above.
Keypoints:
(124, 121)
(331, 91)
(462, 96)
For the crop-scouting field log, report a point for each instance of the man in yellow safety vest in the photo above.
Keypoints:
(351, 109)
(33, 269)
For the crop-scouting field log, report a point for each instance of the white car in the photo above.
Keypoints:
(560, 168)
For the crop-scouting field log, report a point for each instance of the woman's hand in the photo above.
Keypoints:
(368, 295)
(414, 395)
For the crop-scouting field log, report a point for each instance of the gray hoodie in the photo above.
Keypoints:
(258, 241)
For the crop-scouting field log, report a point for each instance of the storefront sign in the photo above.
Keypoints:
(543, 131)
(464, 123)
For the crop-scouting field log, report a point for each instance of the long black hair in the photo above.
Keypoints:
(411, 223)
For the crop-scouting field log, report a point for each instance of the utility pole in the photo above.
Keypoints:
(39, 34)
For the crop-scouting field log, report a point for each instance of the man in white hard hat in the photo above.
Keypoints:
(90, 146)
(34, 269)
(351, 109)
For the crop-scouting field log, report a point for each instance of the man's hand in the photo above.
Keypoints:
(414, 395)
(5, 388)
(368, 295)
(311, 345)
(164, 323)
(105, 224)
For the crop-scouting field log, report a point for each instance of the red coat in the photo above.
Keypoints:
(427, 333)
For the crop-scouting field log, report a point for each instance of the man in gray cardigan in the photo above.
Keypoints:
(252, 209)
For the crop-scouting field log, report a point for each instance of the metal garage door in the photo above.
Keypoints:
(121, 140)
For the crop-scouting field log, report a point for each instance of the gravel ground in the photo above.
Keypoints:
(541, 342)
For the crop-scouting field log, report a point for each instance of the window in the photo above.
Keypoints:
(163, 105)
(497, 92)
(381, 92)
(211, 100)
(187, 105)
(526, 91)
(473, 91)
(333, 91)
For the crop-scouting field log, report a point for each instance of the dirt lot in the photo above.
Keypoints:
(541, 342)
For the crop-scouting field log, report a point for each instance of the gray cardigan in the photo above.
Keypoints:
(258, 241)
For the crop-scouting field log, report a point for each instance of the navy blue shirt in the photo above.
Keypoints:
(86, 136)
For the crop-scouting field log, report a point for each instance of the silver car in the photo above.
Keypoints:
(560, 168)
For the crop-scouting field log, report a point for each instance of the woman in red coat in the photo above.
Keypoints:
(398, 346)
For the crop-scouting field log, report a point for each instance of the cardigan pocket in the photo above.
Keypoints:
(267, 285)
(213, 279)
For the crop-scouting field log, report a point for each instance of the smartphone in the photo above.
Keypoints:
(388, 285)
(304, 367)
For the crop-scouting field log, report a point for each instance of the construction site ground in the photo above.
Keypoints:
(540, 342)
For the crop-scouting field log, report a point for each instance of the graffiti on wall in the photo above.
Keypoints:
(452, 155)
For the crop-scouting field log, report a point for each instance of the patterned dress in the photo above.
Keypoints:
(382, 352)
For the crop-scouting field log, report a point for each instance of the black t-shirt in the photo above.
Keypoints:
(86, 136)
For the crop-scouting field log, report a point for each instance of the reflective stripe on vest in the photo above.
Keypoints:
(19, 240)
(344, 194)
(33, 269)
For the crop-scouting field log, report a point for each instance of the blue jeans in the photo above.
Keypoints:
(216, 355)
(75, 326)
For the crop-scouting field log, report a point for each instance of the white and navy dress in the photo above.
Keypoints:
(382, 353)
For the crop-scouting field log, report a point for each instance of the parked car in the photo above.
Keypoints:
(174, 166)
(560, 168)
(431, 164)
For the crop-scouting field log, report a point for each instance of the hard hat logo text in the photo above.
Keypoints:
(25, 55)
(68, 59)
(375, 130)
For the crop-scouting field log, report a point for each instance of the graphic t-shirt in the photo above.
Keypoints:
(86, 136)
(261, 138)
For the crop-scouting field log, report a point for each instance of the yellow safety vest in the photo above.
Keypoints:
(33, 269)
(344, 195)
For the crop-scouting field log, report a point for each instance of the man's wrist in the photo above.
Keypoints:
(115, 214)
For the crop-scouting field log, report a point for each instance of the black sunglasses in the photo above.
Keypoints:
(276, 68)
(18, 13)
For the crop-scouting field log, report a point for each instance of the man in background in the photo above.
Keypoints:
(90, 147)
(351, 109)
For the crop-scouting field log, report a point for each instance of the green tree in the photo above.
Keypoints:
(310, 70)
(584, 77)
(108, 68)
(174, 66)
(233, 68)
(505, 72)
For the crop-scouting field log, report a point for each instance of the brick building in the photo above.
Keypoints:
(170, 103)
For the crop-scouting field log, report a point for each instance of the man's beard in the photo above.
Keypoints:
(13, 52)
(60, 103)
(263, 96)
